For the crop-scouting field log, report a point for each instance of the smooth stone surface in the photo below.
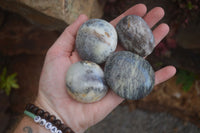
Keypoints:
(96, 40)
(129, 75)
(135, 35)
(85, 82)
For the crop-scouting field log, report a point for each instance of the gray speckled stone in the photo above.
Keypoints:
(135, 35)
(96, 40)
(85, 82)
(129, 75)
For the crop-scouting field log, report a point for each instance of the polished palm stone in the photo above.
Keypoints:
(96, 40)
(85, 82)
(135, 35)
(129, 75)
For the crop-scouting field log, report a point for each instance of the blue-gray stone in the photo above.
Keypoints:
(129, 75)
(96, 40)
(135, 35)
(85, 82)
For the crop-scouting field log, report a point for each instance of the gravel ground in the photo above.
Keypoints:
(122, 120)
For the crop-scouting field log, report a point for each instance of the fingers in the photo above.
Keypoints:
(151, 18)
(65, 43)
(160, 32)
(164, 74)
(154, 16)
(112, 100)
(139, 10)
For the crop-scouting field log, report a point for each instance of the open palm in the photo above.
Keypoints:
(52, 95)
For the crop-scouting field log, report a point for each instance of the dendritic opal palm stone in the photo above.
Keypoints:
(135, 35)
(96, 40)
(85, 82)
(129, 75)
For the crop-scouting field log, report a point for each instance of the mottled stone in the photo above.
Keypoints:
(129, 75)
(85, 82)
(96, 40)
(135, 35)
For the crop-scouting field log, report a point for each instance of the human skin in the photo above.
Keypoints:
(52, 95)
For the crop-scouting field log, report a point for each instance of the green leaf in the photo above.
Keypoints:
(12, 76)
(186, 79)
(3, 75)
(187, 86)
(15, 86)
(8, 82)
(8, 90)
(3, 85)
(190, 6)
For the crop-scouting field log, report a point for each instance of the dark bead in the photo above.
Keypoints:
(57, 123)
(52, 119)
(40, 112)
(67, 130)
(46, 115)
(62, 127)
(31, 107)
(35, 109)
(27, 106)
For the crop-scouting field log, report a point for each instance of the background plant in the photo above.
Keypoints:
(8, 82)
(182, 13)
(186, 79)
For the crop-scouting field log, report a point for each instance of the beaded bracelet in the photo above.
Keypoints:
(45, 119)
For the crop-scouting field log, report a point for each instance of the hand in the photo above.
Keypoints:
(52, 95)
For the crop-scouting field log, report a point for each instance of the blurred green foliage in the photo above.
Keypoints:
(8, 82)
(186, 79)
(189, 5)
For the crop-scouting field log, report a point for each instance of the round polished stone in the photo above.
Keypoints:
(85, 82)
(96, 40)
(129, 75)
(135, 35)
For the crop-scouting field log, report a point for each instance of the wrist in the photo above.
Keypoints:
(43, 103)
(29, 126)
